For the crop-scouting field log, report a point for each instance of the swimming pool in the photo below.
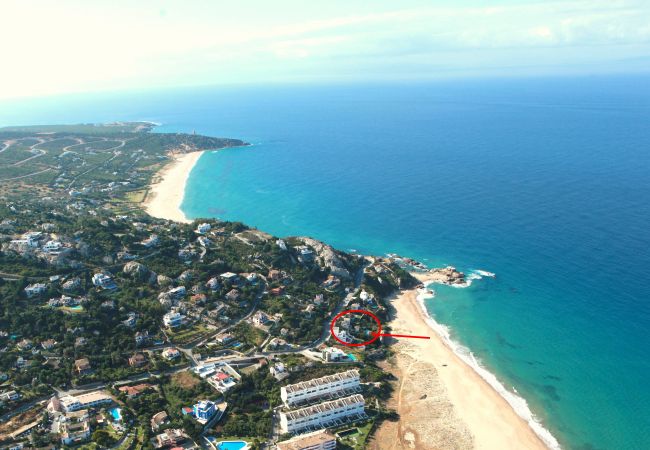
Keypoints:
(232, 445)
(116, 413)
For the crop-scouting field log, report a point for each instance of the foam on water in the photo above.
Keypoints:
(518, 404)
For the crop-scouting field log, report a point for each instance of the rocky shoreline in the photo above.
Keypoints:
(448, 275)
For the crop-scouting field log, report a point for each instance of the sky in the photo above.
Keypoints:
(66, 46)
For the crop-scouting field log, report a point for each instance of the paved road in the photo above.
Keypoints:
(28, 175)
(231, 360)
(325, 334)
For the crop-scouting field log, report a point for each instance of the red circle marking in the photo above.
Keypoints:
(356, 311)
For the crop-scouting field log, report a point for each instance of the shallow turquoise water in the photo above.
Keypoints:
(116, 413)
(544, 182)
(231, 445)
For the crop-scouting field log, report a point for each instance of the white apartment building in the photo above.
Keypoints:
(324, 387)
(84, 401)
(317, 440)
(323, 414)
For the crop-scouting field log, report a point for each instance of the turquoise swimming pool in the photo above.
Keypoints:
(232, 445)
(116, 413)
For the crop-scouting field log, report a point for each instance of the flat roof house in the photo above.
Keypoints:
(173, 319)
(204, 410)
(104, 281)
(35, 289)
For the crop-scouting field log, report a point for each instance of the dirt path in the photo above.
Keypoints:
(427, 418)
(28, 175)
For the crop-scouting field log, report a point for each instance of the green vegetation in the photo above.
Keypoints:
(75, 214)
(106, 160)
(355, 437)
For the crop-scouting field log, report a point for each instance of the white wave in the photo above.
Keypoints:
(485, 273)
(472, 276)
(426, 293)
(518, 403)
(468, 280)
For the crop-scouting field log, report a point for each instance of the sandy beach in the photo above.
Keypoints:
(168, 188)
(442, 402)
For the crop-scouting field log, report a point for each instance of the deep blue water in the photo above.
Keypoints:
(545, 182)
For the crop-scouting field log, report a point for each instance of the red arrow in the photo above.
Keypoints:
(401, 336)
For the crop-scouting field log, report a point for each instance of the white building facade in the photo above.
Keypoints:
(317, 440)
(85, 401)
(323, 414)
(318, 388)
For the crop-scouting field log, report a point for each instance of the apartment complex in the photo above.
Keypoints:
(74, 427)
(330, 386)
(322, 415)
(317, 440)
(84, 401)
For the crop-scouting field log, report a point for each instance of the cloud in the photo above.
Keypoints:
(74, 46)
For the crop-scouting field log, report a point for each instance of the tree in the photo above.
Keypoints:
(103, 438)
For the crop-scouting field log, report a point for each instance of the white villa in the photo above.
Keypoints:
(104, 281)
(35, 289)
(229, 276)
(173, 319)
(203, 228)
(333, 354)
(219, 375)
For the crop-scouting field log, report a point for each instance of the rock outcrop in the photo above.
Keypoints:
(327, 257)
(136, 270)
(164, 280)
(448, 275)
(140, 272)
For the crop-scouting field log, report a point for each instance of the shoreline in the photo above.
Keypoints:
(167, 190)
(443, 400)
(469, 410)
(517, 403)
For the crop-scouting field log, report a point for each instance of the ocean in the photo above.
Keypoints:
(545, 182)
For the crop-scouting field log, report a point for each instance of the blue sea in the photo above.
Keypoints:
(545, 182)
